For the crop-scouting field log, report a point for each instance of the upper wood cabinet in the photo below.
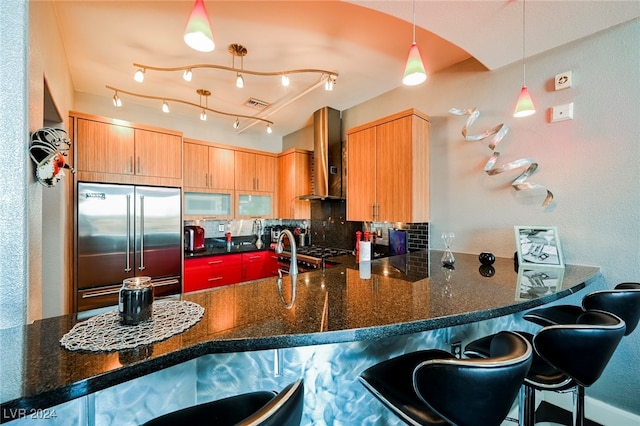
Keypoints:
(388, 169)
(254, 172)
(294, 180)
(104, 148)
(158, 154)
(208, 167)
(108, 151)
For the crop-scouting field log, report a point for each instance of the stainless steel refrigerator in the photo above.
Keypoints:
(124, 231)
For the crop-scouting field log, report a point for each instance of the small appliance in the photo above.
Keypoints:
(194, 238)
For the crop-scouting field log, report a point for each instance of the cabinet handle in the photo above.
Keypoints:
(139, 168)
(141, 267)
(214, 279)
(127, 266)
(206, 179)
(130, 165)
(373, 211)
(215, 262)
(378, 212)
(254, 257)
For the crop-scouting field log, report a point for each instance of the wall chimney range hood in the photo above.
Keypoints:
(327, 155)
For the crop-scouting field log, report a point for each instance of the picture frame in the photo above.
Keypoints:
(538, 245)
(537, 281)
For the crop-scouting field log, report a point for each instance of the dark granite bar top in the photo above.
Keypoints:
(404, 294)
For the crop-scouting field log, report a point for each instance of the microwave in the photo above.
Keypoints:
(207, 204)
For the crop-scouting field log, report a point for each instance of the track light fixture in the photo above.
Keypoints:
(116, 100)
(201, 92)
(237, 50)
(165, 106)
(236, 123)
(139, 75)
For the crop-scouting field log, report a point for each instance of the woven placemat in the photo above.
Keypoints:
(105, 333)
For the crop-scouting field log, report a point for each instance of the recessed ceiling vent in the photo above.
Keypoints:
(256, 103)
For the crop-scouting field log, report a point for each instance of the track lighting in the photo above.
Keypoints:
(203, 108)
(139, 75)
(269, 129)
(237, 50)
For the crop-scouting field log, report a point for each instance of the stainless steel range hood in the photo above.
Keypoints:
(327, 154)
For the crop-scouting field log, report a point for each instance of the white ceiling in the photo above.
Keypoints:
(365, 42)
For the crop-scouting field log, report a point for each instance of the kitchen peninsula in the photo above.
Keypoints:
(351, 303)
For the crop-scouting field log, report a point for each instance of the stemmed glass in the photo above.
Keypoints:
(447, 256)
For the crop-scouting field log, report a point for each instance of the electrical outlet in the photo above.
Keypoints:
(220, 228)
(563, 80)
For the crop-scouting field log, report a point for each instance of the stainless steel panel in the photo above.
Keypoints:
(105, 243)
(158, 232)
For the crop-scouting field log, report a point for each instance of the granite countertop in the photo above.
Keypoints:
(404, 294)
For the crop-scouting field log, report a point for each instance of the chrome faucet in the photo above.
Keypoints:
(293, 266)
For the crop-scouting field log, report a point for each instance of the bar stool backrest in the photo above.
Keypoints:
(285, 409)
(581, 350)
(623, 301)
(476, 391)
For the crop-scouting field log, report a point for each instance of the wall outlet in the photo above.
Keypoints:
(563, 80)
(220, 228)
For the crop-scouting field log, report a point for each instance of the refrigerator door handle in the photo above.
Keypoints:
(127, 267)
(141, 267)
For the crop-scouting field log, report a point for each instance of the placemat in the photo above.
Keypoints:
(105, 333)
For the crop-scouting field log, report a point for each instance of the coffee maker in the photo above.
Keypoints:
(194, 238)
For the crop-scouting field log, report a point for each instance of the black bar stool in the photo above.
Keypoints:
(433, 387)
(567, 356)
(250, 409)
(623, 301)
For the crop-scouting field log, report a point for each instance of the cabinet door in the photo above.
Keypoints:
(105, 148)
(196, 165)
(361, 174)
(294, 180)
(158, 154)
(394, 170)
(196, 275)
(245, 165)
(254, 265)
(265, 173)
(221, 168)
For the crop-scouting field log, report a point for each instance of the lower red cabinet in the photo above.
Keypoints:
(212, 271)
(259, 264)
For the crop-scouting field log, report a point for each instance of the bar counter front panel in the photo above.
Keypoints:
(326, 326)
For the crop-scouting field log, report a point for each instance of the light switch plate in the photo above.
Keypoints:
(562, 112)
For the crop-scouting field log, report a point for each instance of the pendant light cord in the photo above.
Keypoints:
(414, 21)
(524, 4)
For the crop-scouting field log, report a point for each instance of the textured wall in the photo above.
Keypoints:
(590, 163)
(14, 139)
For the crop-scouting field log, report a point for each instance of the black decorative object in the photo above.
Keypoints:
(486, 258)
(487, 271)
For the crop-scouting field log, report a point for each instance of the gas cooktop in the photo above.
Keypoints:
(322, 252)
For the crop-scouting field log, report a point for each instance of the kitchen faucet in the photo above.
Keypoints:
(293, 266)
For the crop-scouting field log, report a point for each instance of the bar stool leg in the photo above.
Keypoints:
(529, 406)
(580, 406)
